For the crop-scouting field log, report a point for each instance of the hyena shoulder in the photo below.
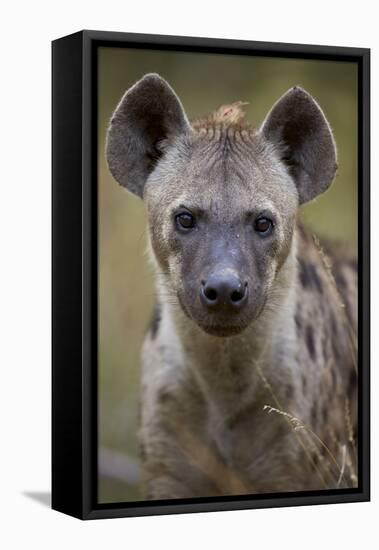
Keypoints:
(326, 291)
(326, 325)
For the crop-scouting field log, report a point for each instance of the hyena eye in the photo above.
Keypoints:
(185, 220)
(264, 226)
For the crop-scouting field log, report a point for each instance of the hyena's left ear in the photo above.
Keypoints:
(298, 124)
(147, 118)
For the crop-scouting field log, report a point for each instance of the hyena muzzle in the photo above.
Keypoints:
(249, 367)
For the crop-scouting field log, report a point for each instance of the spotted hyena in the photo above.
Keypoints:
(249, 365)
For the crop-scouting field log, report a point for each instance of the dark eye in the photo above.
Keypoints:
(263, 226)
(185, 220)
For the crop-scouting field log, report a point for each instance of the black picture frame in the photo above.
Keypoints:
(74, 272)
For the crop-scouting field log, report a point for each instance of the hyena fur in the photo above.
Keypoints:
(249, 366)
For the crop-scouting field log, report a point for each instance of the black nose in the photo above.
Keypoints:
(224, 290)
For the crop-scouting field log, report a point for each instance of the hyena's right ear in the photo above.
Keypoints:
(148, 117)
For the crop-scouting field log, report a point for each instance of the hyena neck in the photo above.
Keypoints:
(233, 371)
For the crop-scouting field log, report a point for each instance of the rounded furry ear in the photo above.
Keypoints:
(298, 126)
(148, 116)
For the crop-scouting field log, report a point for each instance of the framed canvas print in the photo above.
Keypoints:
(210, 275)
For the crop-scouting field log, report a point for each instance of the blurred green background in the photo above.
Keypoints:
(203, 82)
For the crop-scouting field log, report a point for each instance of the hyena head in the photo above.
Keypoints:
(221, 197)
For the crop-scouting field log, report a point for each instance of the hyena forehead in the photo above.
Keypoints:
(222, 163)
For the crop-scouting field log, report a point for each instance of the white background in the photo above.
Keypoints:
(26, 31)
